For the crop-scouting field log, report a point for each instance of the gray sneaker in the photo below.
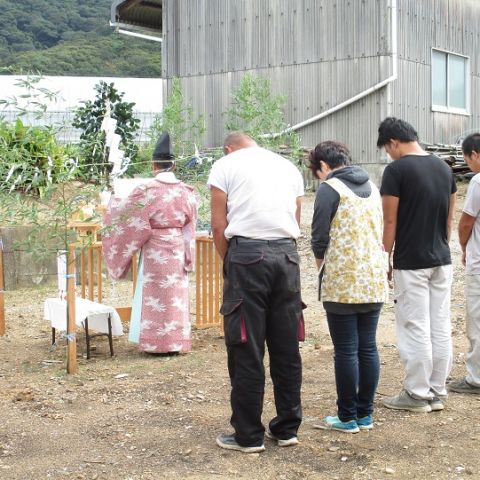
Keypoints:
(403, 401)
(462, 386)
(289, 442)
(228, 442)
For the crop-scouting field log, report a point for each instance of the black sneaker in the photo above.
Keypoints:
(228, 442)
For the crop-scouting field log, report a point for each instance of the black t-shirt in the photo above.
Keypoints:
(424, 185)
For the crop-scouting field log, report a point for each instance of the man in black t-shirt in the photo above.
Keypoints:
(419, 192)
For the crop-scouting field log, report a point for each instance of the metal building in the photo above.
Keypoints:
(343, 64)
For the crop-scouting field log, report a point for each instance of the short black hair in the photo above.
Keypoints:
(471, 144)
(334, 154)
(395, 129)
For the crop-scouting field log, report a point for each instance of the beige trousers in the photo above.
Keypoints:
(422, 313)
(472, 293)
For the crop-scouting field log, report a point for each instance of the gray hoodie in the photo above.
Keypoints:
(326, 204)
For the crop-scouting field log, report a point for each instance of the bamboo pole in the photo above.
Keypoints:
(2, 288)
(71, 326)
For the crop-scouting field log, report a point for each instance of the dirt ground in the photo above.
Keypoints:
(136, 416)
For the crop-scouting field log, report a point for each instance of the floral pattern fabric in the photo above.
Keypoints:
(355, 261)
(159, 218)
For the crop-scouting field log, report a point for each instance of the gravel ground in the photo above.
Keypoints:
(136, 416)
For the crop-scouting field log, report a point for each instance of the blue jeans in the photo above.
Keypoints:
(357, 366)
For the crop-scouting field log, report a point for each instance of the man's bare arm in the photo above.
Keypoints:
(465, 227)
(219, 220)
(298, 211)
(451, 214)
(390, 212)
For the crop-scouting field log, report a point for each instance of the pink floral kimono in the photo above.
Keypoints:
(159, 218)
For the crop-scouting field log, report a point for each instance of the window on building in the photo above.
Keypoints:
(449, 82)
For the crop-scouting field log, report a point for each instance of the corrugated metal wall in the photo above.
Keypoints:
(215, 36)
(320, 53)
(451, 25)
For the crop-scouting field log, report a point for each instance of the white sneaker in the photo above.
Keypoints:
(436, 404)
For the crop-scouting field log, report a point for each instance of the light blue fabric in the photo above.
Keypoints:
(136, 316)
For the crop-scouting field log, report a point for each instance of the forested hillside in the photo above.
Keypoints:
(67, 37)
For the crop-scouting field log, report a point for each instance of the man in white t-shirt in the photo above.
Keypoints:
(256, 202)
(469, 236)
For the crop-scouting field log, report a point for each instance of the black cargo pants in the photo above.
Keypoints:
(261, 303)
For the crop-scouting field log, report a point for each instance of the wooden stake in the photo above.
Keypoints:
(83, 274)
(211, 291)
(198, 283)
(2, 288)
(90, 273)
(71, 325)
(98, 249)
(204, 284)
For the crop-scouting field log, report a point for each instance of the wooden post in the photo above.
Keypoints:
(98, 249)
(90, 267)
(83, 274)
(204, 284)
(198, 283)
(71, 325)
(211, 291)
(2, 288)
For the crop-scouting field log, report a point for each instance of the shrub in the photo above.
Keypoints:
(30, 157)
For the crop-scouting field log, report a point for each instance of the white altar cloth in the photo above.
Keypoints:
(55, 311)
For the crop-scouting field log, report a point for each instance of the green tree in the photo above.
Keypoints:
(255, 111)
(178, 119)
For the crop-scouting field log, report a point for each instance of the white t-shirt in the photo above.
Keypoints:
(472, 208)
(262, 189)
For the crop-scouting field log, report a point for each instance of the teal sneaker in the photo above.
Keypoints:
(334, 423)
(365, 423)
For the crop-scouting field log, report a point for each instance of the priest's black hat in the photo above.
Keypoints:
(163, 149)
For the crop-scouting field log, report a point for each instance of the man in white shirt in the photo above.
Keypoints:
(469, 236)
(256, 203)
